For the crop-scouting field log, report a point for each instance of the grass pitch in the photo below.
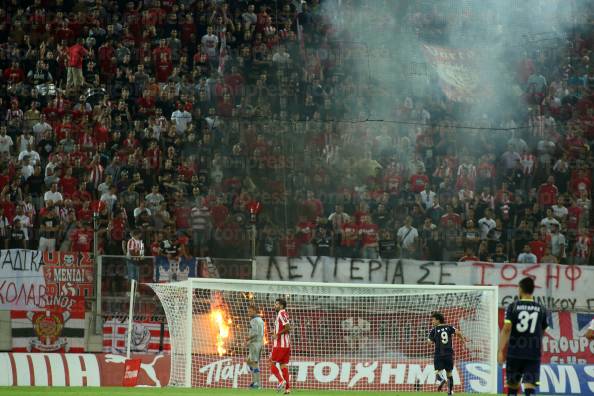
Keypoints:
(113, 391)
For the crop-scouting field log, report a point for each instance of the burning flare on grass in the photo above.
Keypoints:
(219, 318)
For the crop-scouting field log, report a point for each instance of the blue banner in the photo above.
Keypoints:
(555, 379)
(174, 269)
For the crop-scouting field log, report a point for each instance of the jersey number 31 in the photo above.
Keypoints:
(526, 320)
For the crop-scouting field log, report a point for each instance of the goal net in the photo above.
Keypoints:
(343, 336)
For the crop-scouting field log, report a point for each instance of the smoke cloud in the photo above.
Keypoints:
(382, 48)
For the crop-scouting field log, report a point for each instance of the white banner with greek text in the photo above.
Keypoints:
(558, 287)
(22, 283)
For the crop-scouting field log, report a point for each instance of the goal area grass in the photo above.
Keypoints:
(113, 391)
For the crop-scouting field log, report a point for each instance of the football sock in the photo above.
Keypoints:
(256, 376)
(529, 391)
(276, 373)
(450, 384)
(286, 376)
(512, 392)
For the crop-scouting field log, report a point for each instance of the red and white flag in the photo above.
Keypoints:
(147, 337)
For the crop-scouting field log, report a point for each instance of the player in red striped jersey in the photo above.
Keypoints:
(281, 347)
(134, 253)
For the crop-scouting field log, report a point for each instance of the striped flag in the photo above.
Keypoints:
(49, 330)
(147, 337)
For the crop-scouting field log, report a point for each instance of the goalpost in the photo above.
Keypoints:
(344, 336)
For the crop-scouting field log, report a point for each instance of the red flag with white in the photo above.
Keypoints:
(53, 329)
(147, 337)
(131, 372)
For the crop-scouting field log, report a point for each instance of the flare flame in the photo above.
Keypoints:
(221, 321)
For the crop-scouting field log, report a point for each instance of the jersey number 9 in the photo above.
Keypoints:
(444, 337)
(527, 320)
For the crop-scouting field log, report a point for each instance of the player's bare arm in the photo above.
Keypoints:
(503, 340)
(429, 342)
(285, 330)
(460, 336)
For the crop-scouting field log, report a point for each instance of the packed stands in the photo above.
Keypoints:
(176, 117)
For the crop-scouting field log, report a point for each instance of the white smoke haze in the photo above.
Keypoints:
(381, 46)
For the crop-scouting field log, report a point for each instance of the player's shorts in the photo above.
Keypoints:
(280, 355)
(132, 270)
(443, 363)
(522, 370)
(254, 351)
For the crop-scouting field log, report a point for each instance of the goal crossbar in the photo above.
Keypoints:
(258, 285)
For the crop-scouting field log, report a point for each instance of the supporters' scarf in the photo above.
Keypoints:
(301, 39)
(96, 174)
(582, 246)
(527, 161)
(222, 52)
(537, 126)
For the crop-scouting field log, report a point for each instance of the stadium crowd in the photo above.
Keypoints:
(175, 117)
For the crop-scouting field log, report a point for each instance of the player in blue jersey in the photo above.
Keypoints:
(441, 336)
(255, 342)
(524, 326)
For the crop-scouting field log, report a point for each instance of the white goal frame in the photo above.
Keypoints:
(309, 288)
